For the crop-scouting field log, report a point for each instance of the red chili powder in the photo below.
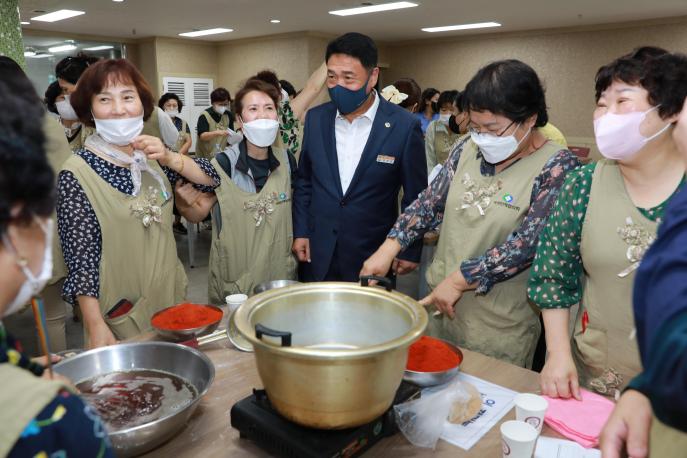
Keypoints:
(186, 316)
(431, 355)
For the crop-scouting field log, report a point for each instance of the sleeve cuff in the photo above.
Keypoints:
(400, 237)
(475, 271)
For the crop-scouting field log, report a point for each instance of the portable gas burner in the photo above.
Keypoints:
(258, 421)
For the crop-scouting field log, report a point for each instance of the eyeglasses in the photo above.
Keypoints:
(473, 130)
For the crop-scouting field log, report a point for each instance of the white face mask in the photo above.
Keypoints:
(261, 132)
(497, 149)
(172, 113)
(121, 131)
(219, 109)
(444, 118)
(66, 110)
(33, 284)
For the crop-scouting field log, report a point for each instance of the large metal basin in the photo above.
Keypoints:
(180, 360)
(348, 350)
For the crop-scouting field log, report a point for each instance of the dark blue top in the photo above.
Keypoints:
(424, 122)
(660, 307)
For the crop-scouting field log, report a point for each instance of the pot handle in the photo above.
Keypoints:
(285, 336)
(386, 282)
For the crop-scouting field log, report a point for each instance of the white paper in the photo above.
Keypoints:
(496, 402)
(548, 447)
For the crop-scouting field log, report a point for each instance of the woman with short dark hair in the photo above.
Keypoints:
(215, 125)
(439, 138)
(428, 110)
(114, 208)
(602, 225)
(39, 416)
(492, 197)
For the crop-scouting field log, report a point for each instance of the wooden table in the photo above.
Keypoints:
(209, 434)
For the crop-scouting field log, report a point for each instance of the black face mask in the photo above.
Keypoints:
(453, 125)
(435, 107)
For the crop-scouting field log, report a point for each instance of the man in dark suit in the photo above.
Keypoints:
(358, 151)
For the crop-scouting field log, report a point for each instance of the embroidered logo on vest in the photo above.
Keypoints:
(638, 240)
(478, 196)
(147, 208)
(264, 206)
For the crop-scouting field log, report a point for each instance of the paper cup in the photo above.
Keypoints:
(234, 300)
(531, 409)
(518, 439)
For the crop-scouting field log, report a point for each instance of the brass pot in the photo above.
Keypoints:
(331, 355)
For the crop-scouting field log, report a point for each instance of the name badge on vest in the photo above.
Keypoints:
(384, 159)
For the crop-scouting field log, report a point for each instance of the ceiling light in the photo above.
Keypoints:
(200, 33)
(40, 56)
(29, 52)
(446, 28)
(98, 48)
(275, 21)
(118, 1)
(373, 8)
(25, 23)
(57, 15)
(62, 48)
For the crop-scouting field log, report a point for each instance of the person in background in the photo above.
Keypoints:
(292, 109)
(58, 152)
(172, 105)
(114, 208)
(405, 93)
(215, 125)
(39, 416)
(288, 88)
(554, 134)
(358, 151)
(600, 228)
(428, 110)
(660, 311)
(439, 139)
(251, 206)
(492, 198)
(53, 94)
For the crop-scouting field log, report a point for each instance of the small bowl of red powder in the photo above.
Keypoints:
(186, 321)
(432, 361)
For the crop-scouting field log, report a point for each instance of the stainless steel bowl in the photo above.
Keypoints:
(178, 335)
(340, 356)
(185, 362)
(435, 378)
(274, 284)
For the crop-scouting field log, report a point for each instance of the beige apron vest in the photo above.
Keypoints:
(78, 141)
(501, 323)
(244, 255)
(22, 397)
(58, 151)
(207, 149)
(152, 125)
(666, 442)
(137, 263)
(183, 135)
(443, 142)
(607, 298)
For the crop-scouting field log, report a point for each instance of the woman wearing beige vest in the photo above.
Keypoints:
(603, 223)
(251, 208)
(214, 125)
(492, 197)
(39, 416)
(114, 208)
(439, 139)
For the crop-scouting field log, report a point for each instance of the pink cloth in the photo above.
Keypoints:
(581, 421)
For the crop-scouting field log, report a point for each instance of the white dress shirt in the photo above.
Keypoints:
(351, 138)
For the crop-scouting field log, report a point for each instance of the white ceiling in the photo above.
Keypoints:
(250, 18)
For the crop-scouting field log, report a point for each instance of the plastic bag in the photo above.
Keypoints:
(421, 420)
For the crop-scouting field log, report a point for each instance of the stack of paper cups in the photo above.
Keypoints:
(234, 301)
(531, 409)
(518, 439)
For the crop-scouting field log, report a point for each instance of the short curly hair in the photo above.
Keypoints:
(166, 97)
(629, 68)
(51, 94)
(666, 82)
(254, 84)
(105, 72)
(71, 68)
(26, 177)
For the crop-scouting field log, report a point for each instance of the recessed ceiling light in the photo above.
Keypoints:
(446, 28)
(118, 1)
(57, 15)
(373, 8)
(200, 33)
(25, 23)
(99, 48)
(275, 21)
(62, 48)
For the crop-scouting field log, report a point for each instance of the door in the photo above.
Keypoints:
(194, 94)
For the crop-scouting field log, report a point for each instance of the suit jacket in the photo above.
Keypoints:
(357, 222)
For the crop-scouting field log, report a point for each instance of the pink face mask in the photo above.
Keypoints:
(618, 136)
